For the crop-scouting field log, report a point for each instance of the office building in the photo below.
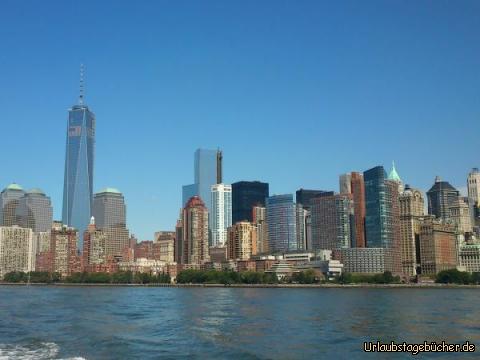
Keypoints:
(473, 186)
(437, 246)
(207, 172)
(366, 260)
(79, 161)
(94, 245)
(179, 240)
(9, 201)
(352, 183)
(35, 211)
(242, 241)
(469, 257)
(301, 218)
(281, 222)
(460, 214)
(63, 251)
(17, 250)
(412, 213)
(332, 217)
(109, 211)
(260, 221)
(441, 197)
(245, 196)
(304, 196)
(195, 232)
(221, 213)
(393, 176)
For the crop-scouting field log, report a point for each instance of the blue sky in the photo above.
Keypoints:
(294, 92)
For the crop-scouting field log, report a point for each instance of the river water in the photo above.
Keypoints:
(38, 322)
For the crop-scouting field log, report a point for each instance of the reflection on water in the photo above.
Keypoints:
(152, 323)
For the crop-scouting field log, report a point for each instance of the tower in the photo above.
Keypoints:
(79, 159)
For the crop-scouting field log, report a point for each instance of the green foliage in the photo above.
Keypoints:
(226, 277)
(305, 277)
(453, 276)
(385, 278)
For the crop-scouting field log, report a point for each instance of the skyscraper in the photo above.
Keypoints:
(441, 197)
(9, 201)
(195, 232)
(260, 221)
(35, 211)
(282, 234)
(393, 176)
(304, 197)
(221, 213)
(473, 185)
(79, 158)
(376, 207)
(331, 221)
(352, 183)
(109, 211)
(242, 241)
(207, 172)
(412, 213)
(246, 195)
(17, 250)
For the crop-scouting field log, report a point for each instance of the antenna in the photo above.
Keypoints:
(82, 88)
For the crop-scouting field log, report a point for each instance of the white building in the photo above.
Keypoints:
(17, 250)
(469, 257)
(221, 213)
(473, 185)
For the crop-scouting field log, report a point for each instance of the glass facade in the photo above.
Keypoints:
(78, 181)
(245, 196)
(376, 207)
(221, 215)
(281, 221)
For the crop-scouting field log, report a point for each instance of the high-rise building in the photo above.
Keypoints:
(282, 234)
(242, 241)
(301, 216)
(352, 183)
(260, 221)
(94, 245)
(393, 176)
(331, 221)
(376, 208)
(460, 214)
(109, 211)
(437, 246)
(245, 196)
(195, 232)
(207, 172)
(473, 186)
(179, 240)
(9, 201)
(345, 182)
(17, 250)
(412, 213)
(63, 249)
(441, 197)
(35, 211)
(221, 213)
(79, 158)
(304, 197)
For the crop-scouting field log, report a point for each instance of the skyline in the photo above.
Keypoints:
(289, 98)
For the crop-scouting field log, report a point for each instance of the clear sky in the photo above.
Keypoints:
(294, 93)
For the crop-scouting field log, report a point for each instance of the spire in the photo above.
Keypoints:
(393, 175)
(92, 221)
(82, 89)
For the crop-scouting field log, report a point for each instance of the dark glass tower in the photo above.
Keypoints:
(376, 207)
(441, 197)
(246, 195)
(305, 197)
(78, 181)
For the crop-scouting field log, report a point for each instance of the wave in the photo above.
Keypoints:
(39, 351)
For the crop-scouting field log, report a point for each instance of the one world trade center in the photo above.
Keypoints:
(78, 181)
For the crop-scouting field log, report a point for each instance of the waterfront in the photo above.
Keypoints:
(54, 322)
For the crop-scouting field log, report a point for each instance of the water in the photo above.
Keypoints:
(228, 323)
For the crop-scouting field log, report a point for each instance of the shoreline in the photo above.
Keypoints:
(259, 286)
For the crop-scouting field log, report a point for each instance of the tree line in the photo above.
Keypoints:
(453, 276)
(120, 277)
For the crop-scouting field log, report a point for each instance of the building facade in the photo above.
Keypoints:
(195, 232)
(221, 213)
(260, 221)
(35, 211)
(282, 233)
(304, 196)
(437, 246)
(9, 202)
(332, 221)
(94, 245)
(64, 253)
(441, 197)
(79, 161)
(245, 196)
(242, 241)
(412, 213)
(109, 211)
(17, 250)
